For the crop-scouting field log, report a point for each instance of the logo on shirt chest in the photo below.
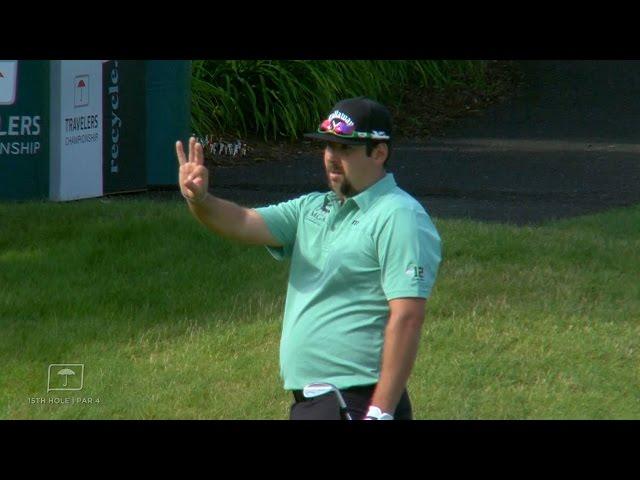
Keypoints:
(320, 213)
(317, 215)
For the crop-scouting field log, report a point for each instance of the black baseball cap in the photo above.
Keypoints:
(354, 121)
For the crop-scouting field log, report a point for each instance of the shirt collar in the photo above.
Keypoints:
(367, 197)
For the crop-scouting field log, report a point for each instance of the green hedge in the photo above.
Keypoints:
(283, 98)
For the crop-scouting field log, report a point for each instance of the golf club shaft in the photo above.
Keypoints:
(343, 405)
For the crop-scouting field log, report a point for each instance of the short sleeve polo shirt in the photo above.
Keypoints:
(347, 261)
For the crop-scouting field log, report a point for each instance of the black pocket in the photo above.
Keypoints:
(321, 408)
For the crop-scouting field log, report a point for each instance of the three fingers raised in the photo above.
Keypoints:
(195, 152)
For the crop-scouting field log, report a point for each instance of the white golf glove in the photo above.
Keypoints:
(375, 413)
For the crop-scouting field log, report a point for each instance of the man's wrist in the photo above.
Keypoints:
(374, 413)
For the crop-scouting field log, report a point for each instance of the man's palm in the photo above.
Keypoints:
(193, 175)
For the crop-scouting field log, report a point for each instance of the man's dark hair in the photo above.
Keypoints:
(371, 144)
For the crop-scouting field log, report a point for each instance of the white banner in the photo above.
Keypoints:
(76, 129)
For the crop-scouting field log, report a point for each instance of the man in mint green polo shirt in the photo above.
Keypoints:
(364, 258)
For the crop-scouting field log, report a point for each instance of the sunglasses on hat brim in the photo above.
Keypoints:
(341, 132)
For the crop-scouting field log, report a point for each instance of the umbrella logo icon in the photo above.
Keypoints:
(66, 372)
(65, 376)
(81, 91)
(81, 87)
(8, 81)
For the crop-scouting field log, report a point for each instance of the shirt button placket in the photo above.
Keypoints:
(332, 218)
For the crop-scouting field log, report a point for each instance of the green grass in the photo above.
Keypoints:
(173, 322)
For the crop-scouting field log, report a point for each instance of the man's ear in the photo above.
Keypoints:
(380, 153)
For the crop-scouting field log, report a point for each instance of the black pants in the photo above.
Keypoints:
(326, 407)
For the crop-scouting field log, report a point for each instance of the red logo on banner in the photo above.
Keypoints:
(81, 95)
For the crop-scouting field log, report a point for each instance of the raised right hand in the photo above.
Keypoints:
(193, 175)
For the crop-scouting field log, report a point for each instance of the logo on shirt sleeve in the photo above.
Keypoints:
(415, 272)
